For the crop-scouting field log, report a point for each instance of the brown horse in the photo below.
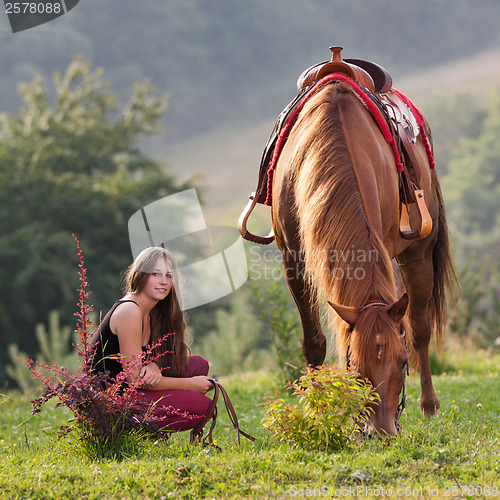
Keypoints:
(336, 212)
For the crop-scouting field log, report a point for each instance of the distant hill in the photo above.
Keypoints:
(223, 59)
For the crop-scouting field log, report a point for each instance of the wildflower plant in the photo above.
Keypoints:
(105, 409)
(331, 407)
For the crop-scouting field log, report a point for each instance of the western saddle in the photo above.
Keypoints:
(397, 114)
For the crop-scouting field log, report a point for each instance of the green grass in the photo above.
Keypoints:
(432, 458)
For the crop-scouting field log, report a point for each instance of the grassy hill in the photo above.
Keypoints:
(226, 161)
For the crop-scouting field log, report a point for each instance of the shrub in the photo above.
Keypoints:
(331, 406)
(234, 344)
(477, 316)
(280, 316)
(55, 347)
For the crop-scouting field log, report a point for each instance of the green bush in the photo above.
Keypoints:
(235, 343)
(331, 406)
(476, 315)
(280, 317)
(55, 347)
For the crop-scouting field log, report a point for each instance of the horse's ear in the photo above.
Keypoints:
(348, 314)
(398, 309)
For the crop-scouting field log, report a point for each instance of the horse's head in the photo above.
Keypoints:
(376, 348)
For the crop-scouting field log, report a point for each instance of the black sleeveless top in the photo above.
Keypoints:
(105, 346)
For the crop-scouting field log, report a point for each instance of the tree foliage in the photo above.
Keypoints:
(472, 188)
(55, 344)
(453, 118)
(70, 163)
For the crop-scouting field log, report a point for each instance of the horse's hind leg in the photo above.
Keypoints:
(418, 276)
(313, 339)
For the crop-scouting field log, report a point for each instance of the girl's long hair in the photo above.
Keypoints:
(167, 317)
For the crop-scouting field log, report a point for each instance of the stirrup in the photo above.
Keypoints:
(426, 221)
(242, 224)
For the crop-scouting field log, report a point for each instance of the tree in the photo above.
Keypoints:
(70, 163)
(472, 188)
(453, 117)
(55, 344)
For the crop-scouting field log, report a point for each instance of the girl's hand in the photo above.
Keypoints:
(199, 384)
(149, 376)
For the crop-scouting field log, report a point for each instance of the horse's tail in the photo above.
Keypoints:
(445, 278)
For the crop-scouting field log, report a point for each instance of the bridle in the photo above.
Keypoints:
(404, 397)
(406, 367)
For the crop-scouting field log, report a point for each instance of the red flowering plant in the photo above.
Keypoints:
(104, 408)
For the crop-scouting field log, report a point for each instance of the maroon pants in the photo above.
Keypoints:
(193, 404)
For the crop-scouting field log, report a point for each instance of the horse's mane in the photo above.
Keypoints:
(345, 260)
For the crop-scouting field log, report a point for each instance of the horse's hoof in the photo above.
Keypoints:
(430, 410)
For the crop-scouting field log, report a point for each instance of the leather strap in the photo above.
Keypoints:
(197, 432)
(268, 153)
(260, 195)
(409, 190)
(232, 415)
(408, 147)
(242, 224)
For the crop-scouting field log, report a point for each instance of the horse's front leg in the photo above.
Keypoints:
(418, 277)
(313, 339)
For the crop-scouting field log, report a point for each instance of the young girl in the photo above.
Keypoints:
(149, 310)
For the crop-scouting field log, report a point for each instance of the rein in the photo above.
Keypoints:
(404, 397)
(406, 367)
(211, 414)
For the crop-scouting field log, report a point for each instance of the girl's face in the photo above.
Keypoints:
(159, 283)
